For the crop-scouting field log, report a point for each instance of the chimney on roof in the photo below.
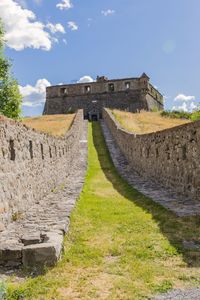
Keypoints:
(102, 78)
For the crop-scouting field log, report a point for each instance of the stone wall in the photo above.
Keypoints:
(128, 100)
(170, 157)
(98, 87)
(120, 100)
(32, 164)
(129, 94)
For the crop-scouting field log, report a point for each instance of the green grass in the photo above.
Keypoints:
(120, 245)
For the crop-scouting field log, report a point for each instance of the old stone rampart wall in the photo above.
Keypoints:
(32, 164)
(170, 157)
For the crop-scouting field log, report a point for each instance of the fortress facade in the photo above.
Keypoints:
(130, 94)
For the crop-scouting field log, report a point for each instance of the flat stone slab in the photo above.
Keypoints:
(182, 207)
(37, 238)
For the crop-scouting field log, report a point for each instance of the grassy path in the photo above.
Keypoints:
(118, 245)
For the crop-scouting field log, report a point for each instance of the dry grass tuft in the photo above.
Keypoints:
(53, 124)
(145, 122)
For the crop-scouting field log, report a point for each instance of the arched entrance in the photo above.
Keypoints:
(93, 111)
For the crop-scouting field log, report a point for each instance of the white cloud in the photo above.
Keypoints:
(72, 25)
(188, 104)
(166, 97)
(186, 107)
(65, 41)
(182, 107)
(22, 29)
(85, 79)
(193, 106)
(55, 40)
(34, 96)
(55, 27)
(182, 97)
(108, 12)
(65, 4)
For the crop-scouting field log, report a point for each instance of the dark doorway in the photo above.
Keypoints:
(94, 117)
(86, 116)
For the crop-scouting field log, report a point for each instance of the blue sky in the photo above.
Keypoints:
(116, 38)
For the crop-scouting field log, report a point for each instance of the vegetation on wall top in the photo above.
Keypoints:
(193, 116)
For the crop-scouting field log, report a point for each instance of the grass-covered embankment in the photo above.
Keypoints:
(53, 124)
(147, 122)
(120, 245)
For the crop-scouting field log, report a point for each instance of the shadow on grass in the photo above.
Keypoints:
(176, 229)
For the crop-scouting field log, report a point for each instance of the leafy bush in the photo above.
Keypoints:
(10, 98)
(195, 116)
(176, 114)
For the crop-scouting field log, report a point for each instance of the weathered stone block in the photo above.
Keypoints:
(45, 254)
(31, 239)
(39, 255)
(10, 254)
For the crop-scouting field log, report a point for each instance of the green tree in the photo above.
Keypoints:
(10, 97)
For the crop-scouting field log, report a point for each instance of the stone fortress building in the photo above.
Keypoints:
(130, 94)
